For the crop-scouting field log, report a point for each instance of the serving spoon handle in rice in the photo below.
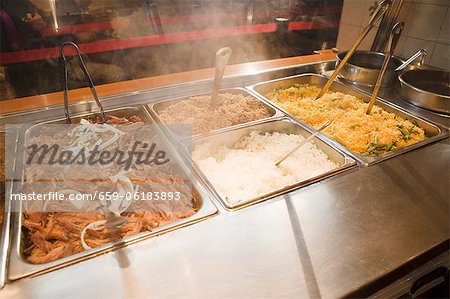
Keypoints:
(222, 58)
(285, 156)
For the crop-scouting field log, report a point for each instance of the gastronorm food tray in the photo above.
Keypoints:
(7, 139)
(156, 107)
(19, 267)
(283, 125)
(433, 132)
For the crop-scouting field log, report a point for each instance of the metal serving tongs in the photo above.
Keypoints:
(302, 143)
(379, 12)
(392, 43)
(222, 58)
(88, 78)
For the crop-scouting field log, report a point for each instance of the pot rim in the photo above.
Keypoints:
(404, 82)
(401, 61)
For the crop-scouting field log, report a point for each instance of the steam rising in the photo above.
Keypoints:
(210, 25)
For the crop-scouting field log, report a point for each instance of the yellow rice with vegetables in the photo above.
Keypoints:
(370, 135)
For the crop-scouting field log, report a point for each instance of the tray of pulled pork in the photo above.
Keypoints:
(129, 201)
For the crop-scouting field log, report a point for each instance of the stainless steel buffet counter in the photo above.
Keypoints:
(352, 234)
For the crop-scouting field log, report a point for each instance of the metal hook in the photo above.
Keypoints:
(86, 76)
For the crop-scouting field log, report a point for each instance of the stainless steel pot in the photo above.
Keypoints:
(428, 89)
(364, 67)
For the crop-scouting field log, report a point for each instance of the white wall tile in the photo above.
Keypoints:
(427, 27)
(440, 56)
(347, 35)
(444, 35)
(414, 44)
(366, 11)
(400, 45)
(426, 21)
(406, 14)
(352, 12)
(368, 40)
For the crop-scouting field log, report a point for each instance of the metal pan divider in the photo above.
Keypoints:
(5, 241)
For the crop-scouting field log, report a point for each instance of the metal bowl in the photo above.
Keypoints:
(428, 89)
(364, 67)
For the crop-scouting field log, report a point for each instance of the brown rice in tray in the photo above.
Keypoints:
(232, 109)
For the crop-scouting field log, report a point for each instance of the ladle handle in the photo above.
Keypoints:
(379, 12)
(391, 44)
(222, 58)
(422, 53)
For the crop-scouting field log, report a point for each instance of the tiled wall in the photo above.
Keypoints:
(426, 26)
(356, 15)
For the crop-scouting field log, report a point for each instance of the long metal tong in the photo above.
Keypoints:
(392, 43)
(302, 143)
(379, 12)
(65, 83)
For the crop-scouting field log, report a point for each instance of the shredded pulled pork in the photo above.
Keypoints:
(52, 236)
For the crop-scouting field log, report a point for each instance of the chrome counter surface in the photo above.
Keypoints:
(329, 239)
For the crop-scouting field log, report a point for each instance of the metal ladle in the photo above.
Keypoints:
(222, 58)
(379, 12)
(88, 78)
(391, 44)
(285, 156)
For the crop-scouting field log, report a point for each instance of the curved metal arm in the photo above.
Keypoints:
(88, 78)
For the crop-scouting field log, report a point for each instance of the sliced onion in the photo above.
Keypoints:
(109, 142)
(87, 132)
(97, 225)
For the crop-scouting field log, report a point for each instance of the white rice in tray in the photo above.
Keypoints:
(247, 170)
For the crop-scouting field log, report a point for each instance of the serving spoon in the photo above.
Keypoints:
(222, 58)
